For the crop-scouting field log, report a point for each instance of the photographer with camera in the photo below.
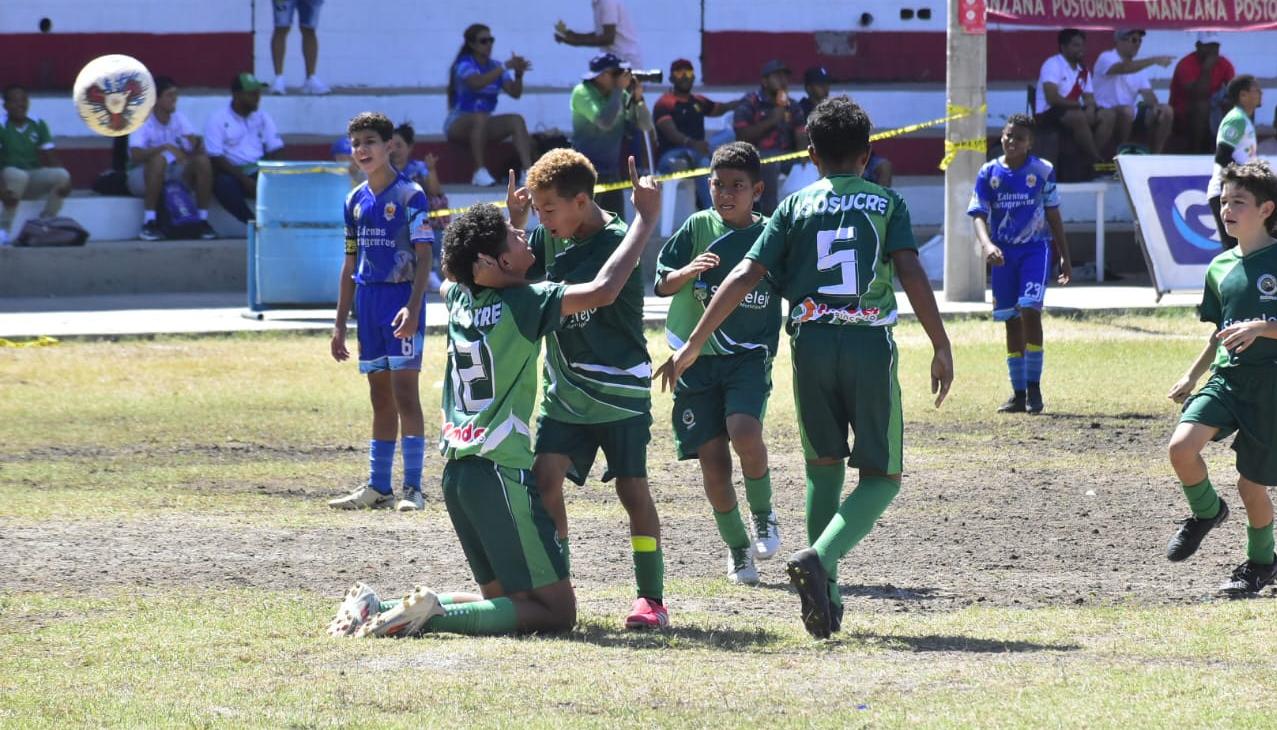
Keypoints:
(608, 99)
(772, 122)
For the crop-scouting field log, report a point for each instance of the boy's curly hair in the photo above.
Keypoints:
(1257, 178)
(741, 156)
(565, 171)
(1023, 121)
(479, 230)
(376, 121)
(839, 129)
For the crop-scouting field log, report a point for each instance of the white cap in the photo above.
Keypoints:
(1207, 36)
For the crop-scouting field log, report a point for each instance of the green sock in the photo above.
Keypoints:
(1259, 544)
(731, 528)
(855, 518)
(567, 554)
(445, 599)
(1202, 499)
(758, 492)
(824, 490)
(496, 616)
(649, 567)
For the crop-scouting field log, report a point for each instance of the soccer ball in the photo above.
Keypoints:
(114, 94)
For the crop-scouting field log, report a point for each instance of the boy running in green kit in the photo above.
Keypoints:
(723, 397)
(598, 377)
(1240, 299)
(496, 321)
(832, 249)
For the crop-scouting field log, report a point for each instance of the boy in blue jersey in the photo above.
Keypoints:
(1012, 205)
(388, 241)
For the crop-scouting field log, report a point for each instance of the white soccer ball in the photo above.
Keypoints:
(114, 94)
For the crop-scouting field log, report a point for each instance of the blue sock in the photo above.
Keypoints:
(1015, 366)
(1033, 364)
(381, 461)
(414, 454)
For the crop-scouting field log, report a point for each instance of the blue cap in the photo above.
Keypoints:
(604, 62)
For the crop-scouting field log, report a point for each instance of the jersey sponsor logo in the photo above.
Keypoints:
(390, 210)
(580, 319)
(1031, 180)
(756, 299)
(1267, 286)
(832, 203)
(465, 435)
(371, 237)
(995, 182)
(808, 310)
(689, 418)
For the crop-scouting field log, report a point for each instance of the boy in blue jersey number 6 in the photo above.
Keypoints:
(388, 240)
(1013, 204)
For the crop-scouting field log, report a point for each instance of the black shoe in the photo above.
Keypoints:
(206, 232)
(151, 232)
(1190, 533)
(1249, 578)
(1014, 404)
(1033, 399)
(812, 584)
(835, 608)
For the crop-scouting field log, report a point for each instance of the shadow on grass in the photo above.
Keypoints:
(1127, 416)
(882, 592)
(681, 637)
(966, 644)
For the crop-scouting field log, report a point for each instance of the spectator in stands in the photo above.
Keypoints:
(307, 12)
(1122, 84)
(816, 83)
(29, 168)
(342, 152)
(1066, 97)
(1198, 78)
(1236, 142)
(422, 171)
(165, 148)
(607, 99)
(613, 32)
(679, 116)
(770, 120)
(474, 83)
(237, 137)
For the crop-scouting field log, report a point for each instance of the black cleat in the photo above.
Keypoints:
(1033, 400)
(1249, 578)
(151, 232)
(1190, 533)
(812, 584)
(1014, 404)
(206, 232)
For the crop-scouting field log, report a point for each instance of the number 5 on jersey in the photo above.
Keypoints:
(843, 261)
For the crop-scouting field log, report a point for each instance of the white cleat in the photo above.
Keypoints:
(483, 178)
(277, 86)
(364, 497)
(412, 501)
(315, 87)
(409, 618)
(766, 536)
(741, 569)
(360, 605)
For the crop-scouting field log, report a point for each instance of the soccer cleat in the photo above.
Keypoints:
(1033, 399)
(277, 86)
(1014, 404)
(1190, 533)
(151, 231)
(409, 618)
(812, 584)
(766, 535)
(412, 501)
(1249, 578)
(206, 232)
(835, 618)
(647, 614)
(740, 566)
(482, 178)
(364, 497)
(315, 87)
(360, 605)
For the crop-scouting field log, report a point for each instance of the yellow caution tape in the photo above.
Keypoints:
(951, 149)
(952, 112)
(37, 342)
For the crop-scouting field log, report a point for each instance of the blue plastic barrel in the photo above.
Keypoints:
(296, 249)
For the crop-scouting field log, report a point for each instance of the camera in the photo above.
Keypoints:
(648, 76)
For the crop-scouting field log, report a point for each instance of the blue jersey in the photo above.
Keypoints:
(1015, 201)
(483, 100)
(382, 230)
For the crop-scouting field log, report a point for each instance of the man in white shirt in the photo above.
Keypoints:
(1122, 84)
(1066, 97)
(613, 32)
(237, 137)
(165, 148)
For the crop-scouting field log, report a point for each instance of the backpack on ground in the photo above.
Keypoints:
(60, 231)
(178, 215)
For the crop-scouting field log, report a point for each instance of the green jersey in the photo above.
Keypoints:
(1237, 131)
(490, 381)
(755, 325)
(596, 365)
(1242, 289)
(828, 249)
(20, 145)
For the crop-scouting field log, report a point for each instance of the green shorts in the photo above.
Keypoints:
(1241, 400)
(503, 527)
(845, 377)
(714, 388)
(624, 445)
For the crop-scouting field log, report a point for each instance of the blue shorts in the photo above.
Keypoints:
(1020, 282)
(307, 12)
(375, 308)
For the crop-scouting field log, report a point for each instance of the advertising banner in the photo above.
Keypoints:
(1147, 14)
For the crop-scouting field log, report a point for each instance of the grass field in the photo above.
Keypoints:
(166, 558)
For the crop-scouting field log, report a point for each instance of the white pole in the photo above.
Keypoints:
(965, 87)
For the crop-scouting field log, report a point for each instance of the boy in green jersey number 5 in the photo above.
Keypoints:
(832, 249)
(723, 396)
(1240, 299)
(496, 321)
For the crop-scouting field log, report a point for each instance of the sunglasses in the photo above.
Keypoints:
(485, 41)
(683, 73)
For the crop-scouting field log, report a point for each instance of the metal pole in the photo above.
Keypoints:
(965, 87)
